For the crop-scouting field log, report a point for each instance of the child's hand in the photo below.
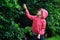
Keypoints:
(25, 7)
(38, 36)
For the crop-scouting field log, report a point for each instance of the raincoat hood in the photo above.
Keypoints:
(44, 13)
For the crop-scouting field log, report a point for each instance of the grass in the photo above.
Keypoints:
(53, 38)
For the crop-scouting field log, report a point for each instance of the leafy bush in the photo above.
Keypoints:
(12, 15)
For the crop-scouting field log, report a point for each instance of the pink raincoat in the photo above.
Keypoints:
(39, 24)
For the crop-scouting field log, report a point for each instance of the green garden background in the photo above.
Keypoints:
(14, 25)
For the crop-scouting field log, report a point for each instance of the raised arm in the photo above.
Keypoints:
(27, 12)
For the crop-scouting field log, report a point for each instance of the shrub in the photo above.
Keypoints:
(12, 13)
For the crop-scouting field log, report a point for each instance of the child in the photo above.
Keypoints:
(39, 23)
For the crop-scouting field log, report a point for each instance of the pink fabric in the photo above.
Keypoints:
(39, 24)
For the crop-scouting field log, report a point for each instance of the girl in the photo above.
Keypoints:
(39, 22)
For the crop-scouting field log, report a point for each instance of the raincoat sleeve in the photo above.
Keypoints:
(28, 15)
(42, 31)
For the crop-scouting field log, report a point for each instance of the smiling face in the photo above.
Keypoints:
(39, 13)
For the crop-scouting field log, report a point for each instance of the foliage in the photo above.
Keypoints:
(12, 15)
(53, 38)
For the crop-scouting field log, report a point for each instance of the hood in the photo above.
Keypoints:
(45, 13)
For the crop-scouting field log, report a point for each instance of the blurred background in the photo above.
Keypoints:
(14, 25)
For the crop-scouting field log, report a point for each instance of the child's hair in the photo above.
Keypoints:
(39, 9)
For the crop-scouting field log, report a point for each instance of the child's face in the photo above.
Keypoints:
(39, 13)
